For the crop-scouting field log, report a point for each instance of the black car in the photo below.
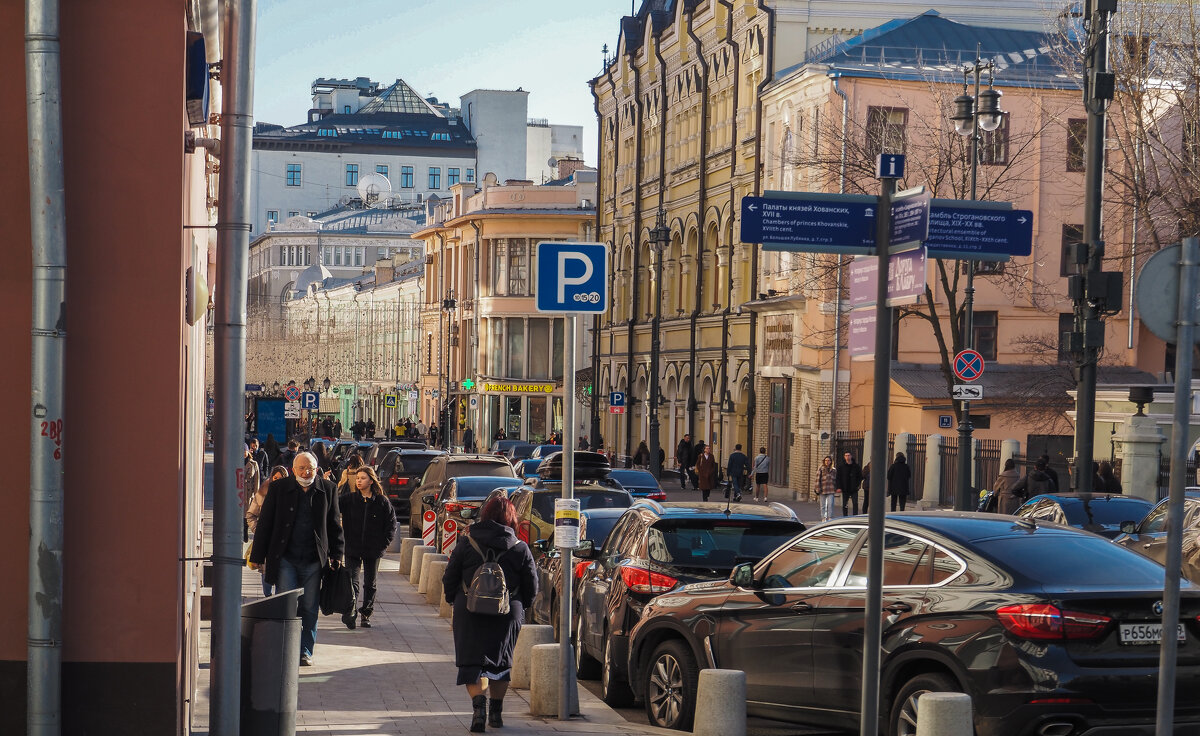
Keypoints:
(594, 526)
(535, 505)
(654, 548)
(641, 483)
(399, 472)
(460, 500)
(381, 449)
(1101, 513)
(1049, 629)
(1148, 537)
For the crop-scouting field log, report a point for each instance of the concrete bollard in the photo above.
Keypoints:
(944, 714)
(720, 703)
(397, 540)
(427, 579)
(437, 568)
(406, 549)
(544, 680)
(530, 636)
(445, 608)
(414, 572)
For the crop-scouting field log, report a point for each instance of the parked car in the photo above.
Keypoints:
(381, 449)
(501, 447)
(587, 465)
(445, 467)
(400, 472)
(1100, 513)
(527, 468)
(594, 526)
(640, 483)
(342, 450)
(654, 548)
(535, 505)
(1049, 629)
(1148, 537)
(460, 500)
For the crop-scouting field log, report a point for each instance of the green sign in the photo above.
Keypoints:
(468, 385)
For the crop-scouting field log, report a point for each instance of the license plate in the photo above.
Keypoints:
(1146, 633)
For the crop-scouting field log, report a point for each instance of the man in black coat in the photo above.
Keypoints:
(849, 477)
(299, 533)
(738, 469)
(683, 461)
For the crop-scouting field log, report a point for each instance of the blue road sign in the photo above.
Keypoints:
(889, 166)
(968, 365)
(811, 221)
(389, 401)
(910, 220)
(310, 400)
(970, 230)
(616, 398)
(572, 277)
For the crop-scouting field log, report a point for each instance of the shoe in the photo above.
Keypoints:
(478, 713)
(350, 619)
(737, 498)
(306, 660)
(366, 621)
(495, 709)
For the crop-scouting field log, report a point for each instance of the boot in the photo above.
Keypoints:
(495, 708)
(479, 714)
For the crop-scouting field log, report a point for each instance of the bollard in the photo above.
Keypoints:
(720, 703)
(270, 651)
(426, 578)
(414, 572)
(543, 680)
(397, 540)
(445, 608)
(531, 635)
(433, 591)
(944, 714)
(406, 548)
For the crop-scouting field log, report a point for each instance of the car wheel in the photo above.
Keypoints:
(903, 717)
(587, 667)
(613, 690)
(671, 682)
(555, 615)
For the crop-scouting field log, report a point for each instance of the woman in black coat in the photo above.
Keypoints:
(369, 523)
(899, 478)
(483, 644)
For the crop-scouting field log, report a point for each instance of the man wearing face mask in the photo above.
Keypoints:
(299, 533)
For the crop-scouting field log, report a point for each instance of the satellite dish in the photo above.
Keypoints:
(343, 201)
(552, 162)
(374, 189)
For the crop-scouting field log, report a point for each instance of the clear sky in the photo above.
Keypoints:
(443, 48)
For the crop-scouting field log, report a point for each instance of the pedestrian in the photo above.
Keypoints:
(1106, 480)
(762, 470)
(849, 477)
(346, 481)
(337, 429)
(301, 534)
(422, 430)
(322, 454)
(641, 457)
(327, 427)
(370, 429)
(254, 509)
(1007, 500)
(260, 457)
(899, 478)
(1052, 474)
(737, 468)
(583, 443)
(683, 460)
(271, 448)
(251, 476)
(826, 487)
(866, 487)
(705, 471)
(500, 435)
(288, 454)
(468, 440)
(483, 644)
(433, 434)
(369, 523)
(1035, 483)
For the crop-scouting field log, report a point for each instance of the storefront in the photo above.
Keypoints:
(526, 411)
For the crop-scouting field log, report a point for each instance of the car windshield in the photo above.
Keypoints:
(543, 501)
(634, 478)
(720, 543)
(1075, 560)
(413, 465)
(459, 468)
(476, 487)
(596, 528)
(1106, 511)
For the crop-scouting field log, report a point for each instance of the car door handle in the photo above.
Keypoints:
(898, 608)
(801, 607)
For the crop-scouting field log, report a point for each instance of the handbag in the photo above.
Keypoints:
(337, 591)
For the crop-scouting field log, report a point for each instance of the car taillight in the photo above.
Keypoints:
(453, 508)
(397, 480)
(580, 567)
(1043, 621)
(657, 496)
(523, 531)
(640, 580)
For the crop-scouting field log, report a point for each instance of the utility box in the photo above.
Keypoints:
(270, 665)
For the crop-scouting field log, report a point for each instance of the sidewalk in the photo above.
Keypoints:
(398, 676)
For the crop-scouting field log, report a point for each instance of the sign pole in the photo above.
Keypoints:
(566, 692)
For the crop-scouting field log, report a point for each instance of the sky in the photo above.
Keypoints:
(443, 48)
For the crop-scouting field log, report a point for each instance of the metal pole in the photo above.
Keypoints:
(47, 200)
(879, 421)
(963, 500)
(1189, 300)
(229, 345)
(565, 659)
(656, 349)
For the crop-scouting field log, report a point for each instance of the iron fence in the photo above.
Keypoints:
(949, 478)
(916, 464)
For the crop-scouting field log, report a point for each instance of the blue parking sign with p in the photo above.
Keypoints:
(310, 400)
(572, 277)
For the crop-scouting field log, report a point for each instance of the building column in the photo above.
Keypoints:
(1140, 451)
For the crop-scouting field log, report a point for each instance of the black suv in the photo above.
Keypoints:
(445, 467)
(399, 473)
(654, 548)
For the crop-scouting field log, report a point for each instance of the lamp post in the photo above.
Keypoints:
(660, 234)
(448, 306)
(971, 114)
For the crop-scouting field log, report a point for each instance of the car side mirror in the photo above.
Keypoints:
(428, 499)
(1128, 527)
(467, 513)
(742, 575)
(586, 550)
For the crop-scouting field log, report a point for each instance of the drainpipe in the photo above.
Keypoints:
(701, 203)
(752, 399)
(477, 361)
(595, 408)
(43, 79)
(233, 247)
(635, 302)
(733, 209)
(837, 330)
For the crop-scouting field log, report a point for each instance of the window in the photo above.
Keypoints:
(358, 256)
(283, 255)
(346, 109)
(1076, 144)
(451, 177)
(984, 327)
(339, 255)
(293, 213)
(294, 177)
(1066, 325)
(518, 267)
(539, 348)
(440, 136)
(272, 217)
(381, 254)
(406, 177)
(516, 347)
(429, 352)
(981, 421)
(1191, 139)
(811, 561)
(327, 255)
(993, 145)
(351, 175)
(435, 177)
(381, 169)
(885, 130)
(470, 175)
(901, 558)
(1071, 235)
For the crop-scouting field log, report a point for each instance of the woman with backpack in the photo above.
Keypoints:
(489, 606)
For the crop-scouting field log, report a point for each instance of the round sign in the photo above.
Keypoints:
(1158, 293)
(430, 515)
(449, 526)
(292, 393)
(968, 365)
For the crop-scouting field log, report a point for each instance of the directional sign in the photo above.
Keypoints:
(572, 277)
(310, 400)
(811, 221)
(974, 230)
(616, 398)
(968, 365)
(291, 410)
(389, 401)
(967, 392)
(292, 393)
(910, 218)
(906, 279)
(862, 334)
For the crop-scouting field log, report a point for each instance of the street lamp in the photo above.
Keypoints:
(972, 113)
(448, 306)
(660, 235)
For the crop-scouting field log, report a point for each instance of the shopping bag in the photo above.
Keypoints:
(337, 591)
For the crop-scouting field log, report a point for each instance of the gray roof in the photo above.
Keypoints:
(1005, 381)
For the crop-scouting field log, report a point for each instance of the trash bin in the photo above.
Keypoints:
(270, 665)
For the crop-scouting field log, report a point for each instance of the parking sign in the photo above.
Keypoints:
(572, 277)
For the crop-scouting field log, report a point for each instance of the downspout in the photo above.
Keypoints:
(701, 203)
(655, 426)
(47, 204)
(837, 326)
(616, 164)
(733, 149)
(229, 345)
(1137, 157)
(752, 399)
(635, 303)
(595, 407)
(477, 361)
(443, 332)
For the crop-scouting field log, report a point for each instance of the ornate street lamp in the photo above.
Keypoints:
(660, 235)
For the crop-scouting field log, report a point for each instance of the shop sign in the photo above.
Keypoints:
(519, 388)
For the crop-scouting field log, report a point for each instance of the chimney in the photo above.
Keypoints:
(568, 166)
(385, 271)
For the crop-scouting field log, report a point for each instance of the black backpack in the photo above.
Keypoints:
(488, 592)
